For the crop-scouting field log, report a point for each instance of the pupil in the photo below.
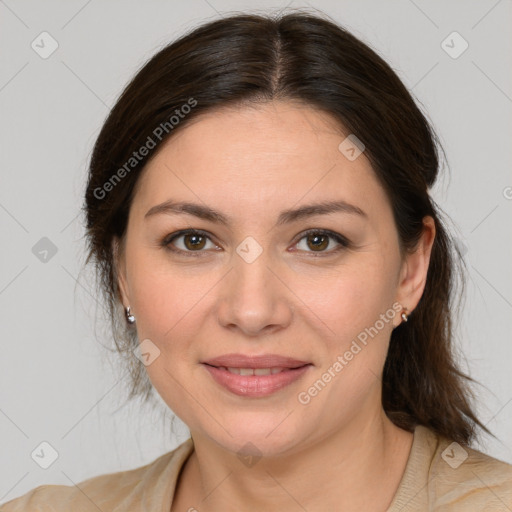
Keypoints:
(194, 241)
(315, 239)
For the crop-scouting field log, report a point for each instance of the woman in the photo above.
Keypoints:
(258, 211)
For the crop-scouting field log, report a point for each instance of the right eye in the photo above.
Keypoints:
(193, 241)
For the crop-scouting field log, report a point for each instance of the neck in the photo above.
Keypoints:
(366, 460)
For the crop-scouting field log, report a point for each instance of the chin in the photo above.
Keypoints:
(258, 439)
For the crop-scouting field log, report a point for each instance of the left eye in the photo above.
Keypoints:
(319, 240)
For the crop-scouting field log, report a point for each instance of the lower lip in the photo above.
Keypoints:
(255, 385)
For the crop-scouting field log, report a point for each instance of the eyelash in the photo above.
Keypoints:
(344, 243)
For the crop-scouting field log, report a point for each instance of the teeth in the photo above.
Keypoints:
(253, 371)
(261, 371)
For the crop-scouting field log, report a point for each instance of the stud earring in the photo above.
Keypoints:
(129, 317)
(404, 315)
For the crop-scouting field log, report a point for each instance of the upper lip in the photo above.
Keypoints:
(261, 361)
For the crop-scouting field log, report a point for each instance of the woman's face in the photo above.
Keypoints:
(254, 283)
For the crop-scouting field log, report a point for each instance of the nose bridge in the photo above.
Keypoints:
(253, 298)
(251, 266)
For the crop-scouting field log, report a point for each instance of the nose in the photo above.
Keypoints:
(254, 298)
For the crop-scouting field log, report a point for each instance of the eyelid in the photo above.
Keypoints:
(167, 241)
(342, 241)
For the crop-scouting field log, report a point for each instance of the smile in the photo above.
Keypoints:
(254, 371)
(255, 382)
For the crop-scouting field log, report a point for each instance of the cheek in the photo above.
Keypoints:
(168, 309)
(170, 303)
(359, 314)
(165, 305)
(350, 300)
(158, 297)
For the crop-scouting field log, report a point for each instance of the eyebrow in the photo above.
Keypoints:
(170, 207)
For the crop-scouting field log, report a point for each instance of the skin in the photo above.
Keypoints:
(339, 451)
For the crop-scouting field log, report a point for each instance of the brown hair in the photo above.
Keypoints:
(301, 57)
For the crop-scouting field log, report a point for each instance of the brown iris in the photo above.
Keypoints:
(319, 241)
(197, 241)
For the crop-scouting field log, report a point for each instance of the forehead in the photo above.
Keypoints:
(273, 132)
(275, 154)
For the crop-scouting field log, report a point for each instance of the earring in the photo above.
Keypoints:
(129, 317)
(404, 315)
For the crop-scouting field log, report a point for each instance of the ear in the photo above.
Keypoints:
(118, 257)
(413, 274)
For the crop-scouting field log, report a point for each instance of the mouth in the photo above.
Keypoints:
(255, 371)
(256, 376)
(263, 361)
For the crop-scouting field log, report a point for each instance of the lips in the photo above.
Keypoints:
(253, 371)
(261, 361)
(255, 376)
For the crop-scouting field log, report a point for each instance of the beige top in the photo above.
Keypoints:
(439, 475)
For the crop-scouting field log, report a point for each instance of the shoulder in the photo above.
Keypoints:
(131, 488)
(463, 478)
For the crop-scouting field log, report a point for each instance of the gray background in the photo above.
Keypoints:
(57, 383)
